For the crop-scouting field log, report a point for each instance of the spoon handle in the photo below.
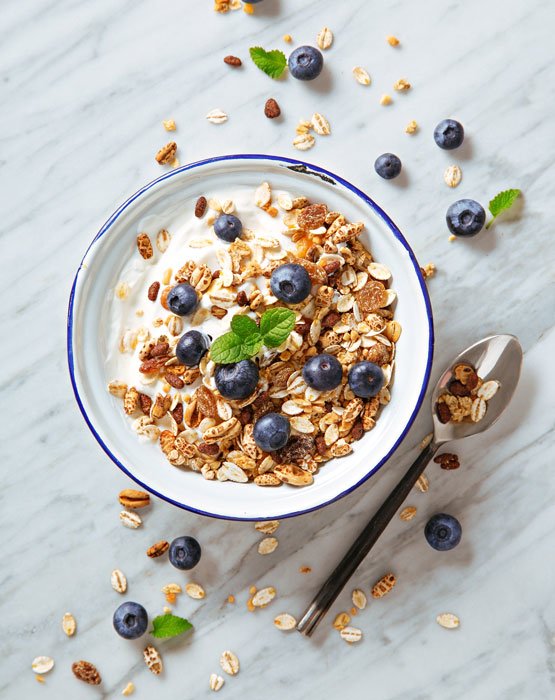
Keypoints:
(363, 544)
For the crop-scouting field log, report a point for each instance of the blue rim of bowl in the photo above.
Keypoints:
(307, 168)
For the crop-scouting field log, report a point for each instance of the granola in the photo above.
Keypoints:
(348, 314)
(465, 397)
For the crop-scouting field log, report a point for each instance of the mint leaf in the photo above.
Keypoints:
(244, 326)
(276, 325)
(230, 347)
(270, 62)
(501, 202)
(169, 625)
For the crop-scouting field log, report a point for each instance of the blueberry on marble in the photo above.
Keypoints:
(323, 372)
(290, 283)
(443, 532)
(184, 552)
(366, 379)
(191, 347)
(130, 620)
(306, 63)
(182, 299)
(465, 217)
(388, 166)
(271, 432)
(449, 134)
(228, 227)
(236, 380)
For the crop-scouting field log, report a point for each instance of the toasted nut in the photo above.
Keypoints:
(233, 61)
(341, 620)
(383, 586)
(153, 291)
(157, 549)
(402, 85)
(86, 672)
(272, 109)
(167, 153)
(130, 498)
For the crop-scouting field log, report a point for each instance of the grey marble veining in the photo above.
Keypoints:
(84, 87)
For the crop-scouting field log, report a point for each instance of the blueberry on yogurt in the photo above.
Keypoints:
(182, 299)
(191, 347)
(290, 283)
(228, 227)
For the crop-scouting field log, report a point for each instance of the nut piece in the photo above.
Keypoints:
(129, 689)
(402, 85)
(233, 61)
(130, 519)
(144, 246)
(267, 545)
(167, 153)
(268, 528)
(200, 207)
(361, 75)
(86, 672)
(42, 664)
(411, 127)
(351, 635)
(285, 622)
(229, 663)
(216, 682)
(324, 38)
(341, 620)
(392, 40)
(407, 513)
(68, 624)
(272, 109)
(383, 586)
(118, 581)
(195, 590)
(169, 124)
(452, 176)
(359, 599)
(158, 549)
(447, 461)
(153, 660)
(448, 620)
(130, 498)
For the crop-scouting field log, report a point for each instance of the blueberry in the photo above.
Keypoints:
(228, 227)
(306, 63)
(184, 552)
(271, 432)
(449, 134)
(366, 379)
(130, 620)
(443, 532)
(290, 283)
(388, 166)
(465, 217)
(323, 372)
(182, 299)
(237, 380)
(191, 347)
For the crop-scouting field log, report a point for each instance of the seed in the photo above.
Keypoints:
(233, 61)
(271, 109)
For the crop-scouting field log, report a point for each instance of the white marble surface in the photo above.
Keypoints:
(85, 86)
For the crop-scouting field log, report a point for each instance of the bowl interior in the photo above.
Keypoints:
(93, 290)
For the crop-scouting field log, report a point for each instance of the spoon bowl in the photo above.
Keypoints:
(497, 357)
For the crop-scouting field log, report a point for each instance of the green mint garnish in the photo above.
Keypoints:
(165, 626)
(272, 63)
(501, 202)
(246, 338)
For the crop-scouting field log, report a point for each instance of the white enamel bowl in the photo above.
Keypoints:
(96, 278)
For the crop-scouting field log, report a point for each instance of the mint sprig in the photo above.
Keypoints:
(272, 63)
(501, 202)
(246, 338)
(168, 625)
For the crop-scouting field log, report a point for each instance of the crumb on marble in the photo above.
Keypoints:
(402, 85)
(392, 40)
(429, 270)
(411, 127)
(169, 124)
(287, 38)
(305, 570)
(385, 100)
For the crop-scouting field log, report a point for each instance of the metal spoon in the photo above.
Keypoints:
(496, 357)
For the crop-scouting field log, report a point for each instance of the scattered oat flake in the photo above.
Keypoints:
(488, 389)
(320, 124)
(426, 441)
(118, 581)
(215, 682)
(351, 634)
(195, 590)
(129, 689)
(359, 599)
(361, 75)
(423, 483)
(448, 620)
(267, 527)
(303, 142)
(130, 519)
(42, 664)
(285, 622)
(341, 620)
(122, 290)
(385, 100)
(407, 513)
(452, 176)
(229, 663)
(68, 624)
(324, 38)
(216, 116)
(411, 127)
(264, 597)
(268, 545)
(402, 85)
(392, 40)
(169, 125)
